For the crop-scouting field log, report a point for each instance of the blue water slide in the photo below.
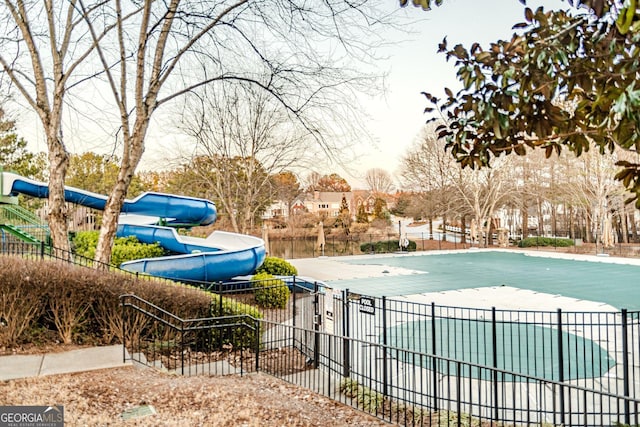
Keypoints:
(220, 256)
(174, 209)
(168, 238)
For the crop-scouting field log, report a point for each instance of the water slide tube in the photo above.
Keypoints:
(220, 256)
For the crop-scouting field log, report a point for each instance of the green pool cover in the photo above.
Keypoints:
(614, 284)
(525, 349)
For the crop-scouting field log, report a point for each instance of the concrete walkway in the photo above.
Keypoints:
(80, 360)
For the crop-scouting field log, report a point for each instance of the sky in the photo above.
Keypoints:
(416, 67)
(413, 66)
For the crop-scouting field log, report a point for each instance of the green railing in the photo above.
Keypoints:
(23, 224)
(19, 233)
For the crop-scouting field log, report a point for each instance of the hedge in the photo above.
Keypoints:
(277, 267)
(270, 292)
(384, 246)
(50, 301)
(545, 241)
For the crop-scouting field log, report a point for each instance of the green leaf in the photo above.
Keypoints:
(625, 19)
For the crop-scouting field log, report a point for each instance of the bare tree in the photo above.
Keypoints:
(304, 54)
(483, 191)
(311, 181)
(41, 52)
(379, 181)
(590, 185)
(286, 188)
(247, 138)
(426, 168)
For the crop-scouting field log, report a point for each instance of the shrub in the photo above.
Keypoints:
(237, 338)
(277, 267)
(20, 302)
(384, 246)
(545, 241)
(368, 400)
(129, 248)
(359, 228)
(85, 243)
(69, 297)
(40, 299)
(124, 248)
(270, 292)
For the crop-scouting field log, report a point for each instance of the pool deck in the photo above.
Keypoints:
(334, 269)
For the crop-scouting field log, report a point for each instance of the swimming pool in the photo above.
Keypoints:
(612, 283)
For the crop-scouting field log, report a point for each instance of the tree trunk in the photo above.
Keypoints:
(540, 220)
(634, 227)
(463, 229)
(525, 221)
(587, 226)
(57, 208)
(109, 226)
(444, 228)
(624, 224)
(430, 228)
(571, 225)
(116, 199)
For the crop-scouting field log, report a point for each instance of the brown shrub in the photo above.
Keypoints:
(81, 304)
(20, 301)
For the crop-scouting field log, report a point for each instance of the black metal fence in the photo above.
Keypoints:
(413, 364)
(214, 345)
(598, 350)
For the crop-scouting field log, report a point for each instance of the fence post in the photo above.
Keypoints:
(42, 250)
(385, 374)
(316, 326)
(124, 329)
(257, 349)
(294, 295)
(561, 366)
(434, 360)
(346, 351)
(625, 364)
(182, 347)
(294, 311)
(494, 345)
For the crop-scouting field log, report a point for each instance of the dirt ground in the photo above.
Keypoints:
(100, 398)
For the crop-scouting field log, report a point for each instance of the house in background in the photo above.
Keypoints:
(278, 209)
(325, 203)
(328, 203)
(364, 198)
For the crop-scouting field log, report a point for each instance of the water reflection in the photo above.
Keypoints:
(307, 248)
(301, 247)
